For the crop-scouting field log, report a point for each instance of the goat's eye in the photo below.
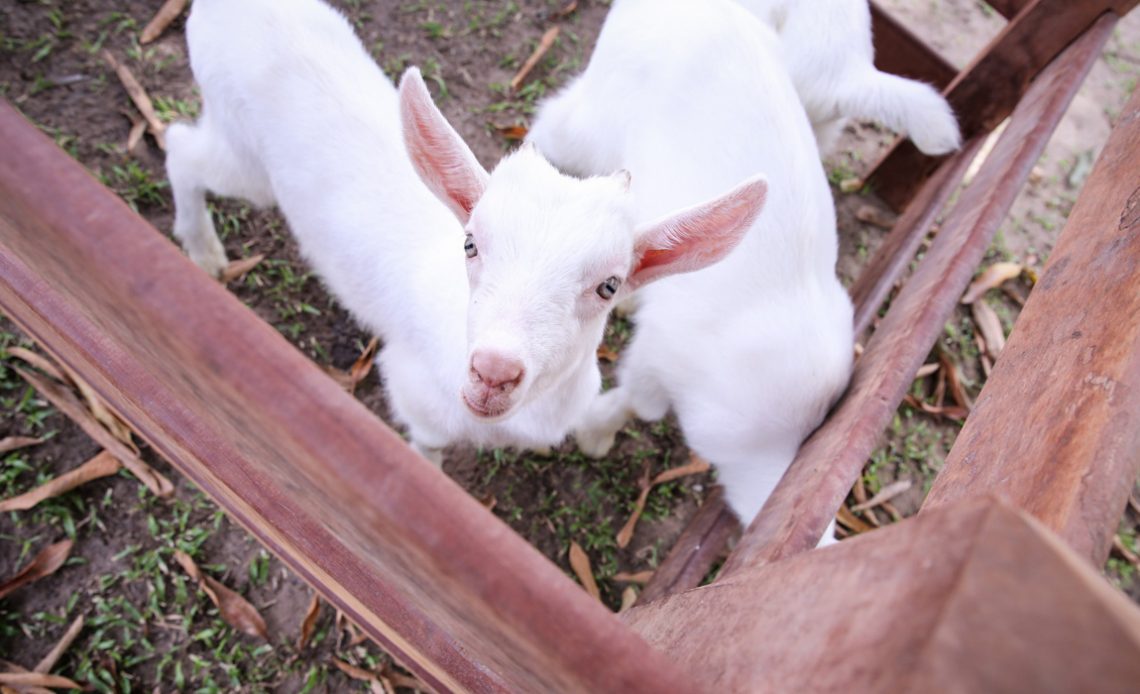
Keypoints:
(469, 246)
(607, 289)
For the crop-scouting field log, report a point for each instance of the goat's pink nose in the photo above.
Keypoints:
(497, 370)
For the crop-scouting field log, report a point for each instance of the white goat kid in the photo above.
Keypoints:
(750, 352)
(828, 49)
(495, 348)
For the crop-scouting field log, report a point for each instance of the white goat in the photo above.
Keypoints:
(750, 352)
(827, 47)
(497, 348)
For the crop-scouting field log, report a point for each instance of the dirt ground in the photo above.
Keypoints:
(148, 627)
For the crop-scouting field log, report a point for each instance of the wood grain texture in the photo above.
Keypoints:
(1056, 429)
(806, 498)
(423, 568)
(986, 92)
(970, 598)
(900, 52)
(1007, 8)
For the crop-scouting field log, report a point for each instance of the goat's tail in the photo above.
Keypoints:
(906, 106)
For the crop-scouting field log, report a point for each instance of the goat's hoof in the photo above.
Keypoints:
(938, 136)
(212, 260)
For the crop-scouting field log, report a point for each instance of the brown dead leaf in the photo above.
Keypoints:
(309, 623)
(363, 364)
(135, 136)
(948, 411)
(990, 327)
(641, 577)
(606, 354)
(48, 662)
(628, 598)
(850, 520)
(625, 535)
(885, 494)
(870, 214)
(237, 268)
(37, 679)
(15, 443)
(544, 45)
(925, 370)
(43, 564)
(102, 465)
(890, 508)
(235, 610)
(581, 565)
(40, 362)
(140, 98)
(67, 403)
(513, 133)
(850, 185)
(162, 19)
(405, 681)
(568, 9)
(354, 672)
(993, 277)
(381, 685)
(695, 466)
(954, 382)
(1123, 551)
(489, 501)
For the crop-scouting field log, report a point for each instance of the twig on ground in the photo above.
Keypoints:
(162, 19)
(140, 98)
(544, 45)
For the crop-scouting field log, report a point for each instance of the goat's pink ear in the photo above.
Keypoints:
(699, 236)
(440, 156)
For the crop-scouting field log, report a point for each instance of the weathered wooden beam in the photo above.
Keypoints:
(805, 500)
(985, 93)
(1056, 429)
(424, 569)
(900, 52)
(898, 249)
(693, 555)
(1007, 8)
(969, 598)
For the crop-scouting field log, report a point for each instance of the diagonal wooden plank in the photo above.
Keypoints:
(900, 52)
(973, 597)
(805, 500)
(986, 92)
(384, 536)
(1056, 430)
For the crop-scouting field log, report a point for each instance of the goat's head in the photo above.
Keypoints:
(549, 255)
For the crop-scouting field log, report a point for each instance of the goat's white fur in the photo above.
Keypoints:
(828, 49)
(750, 352)
(296, 113)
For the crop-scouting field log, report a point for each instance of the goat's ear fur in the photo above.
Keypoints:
(699, 236)
(440, 156)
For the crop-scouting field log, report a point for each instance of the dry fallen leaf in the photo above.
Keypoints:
(628, 598)
(102, 465)
(885, 494)
(48, 662)
(354, 672)
(850, 520)
(363, 364)
(40, 362)
(140, 98)
(606, 354)
(641, 577)
(990, 326)
(235, 610)
(135, 136)
(162, 19)
(581, 565)
(949, 411)
(43, 564)
(993, 277)
(544, 45)
(568, 9)
(873, 215)
(67, 403)
(695, 466)
(238, 268)
(860, 493)
(513, 133)
(954, 381)
(1124, 552)
(925, 370)
(405, 681)
(37, 679)
(15, 443)
(309, 623)
(850, 185)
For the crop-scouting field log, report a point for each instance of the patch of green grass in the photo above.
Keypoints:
(135, 185)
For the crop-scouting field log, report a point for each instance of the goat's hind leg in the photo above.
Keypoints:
(198, 160)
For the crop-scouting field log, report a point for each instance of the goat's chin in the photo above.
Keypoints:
(486, 405)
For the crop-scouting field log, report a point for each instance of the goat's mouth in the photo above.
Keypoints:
(487, 404)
